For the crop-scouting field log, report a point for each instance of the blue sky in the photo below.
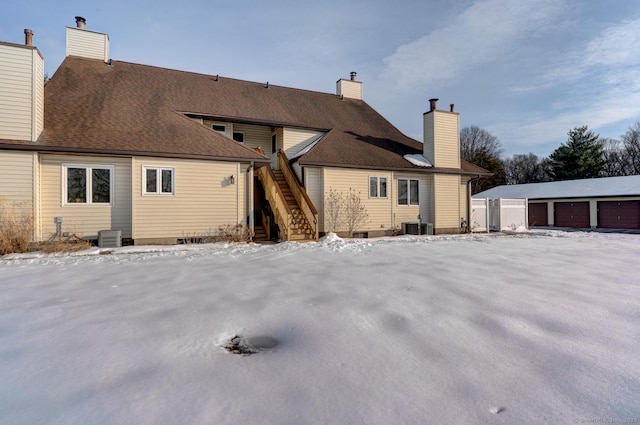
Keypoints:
(525, 70)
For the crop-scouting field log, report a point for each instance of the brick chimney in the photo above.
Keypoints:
(350, 88)
(28, 37)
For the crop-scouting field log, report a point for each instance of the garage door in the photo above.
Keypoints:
(619, 214)
(538, 215)
(571, 214)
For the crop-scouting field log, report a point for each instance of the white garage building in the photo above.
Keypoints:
(606, 203)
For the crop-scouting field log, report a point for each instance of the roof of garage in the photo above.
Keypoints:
(585, 188)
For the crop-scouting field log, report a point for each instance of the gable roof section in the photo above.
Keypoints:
(127, 108)
(585, 188)
(91, 107)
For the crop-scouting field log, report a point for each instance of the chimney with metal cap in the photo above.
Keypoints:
(81, 22)
(28, 37)
(350, 89)
(441, 136)
(87, 44)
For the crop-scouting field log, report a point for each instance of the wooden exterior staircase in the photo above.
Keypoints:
(295, 214)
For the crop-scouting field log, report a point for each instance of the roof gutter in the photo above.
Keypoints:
(80, 151)
(426, 170)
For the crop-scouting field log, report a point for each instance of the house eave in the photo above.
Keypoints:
(240, 120)
(56, 149)
(425, 170)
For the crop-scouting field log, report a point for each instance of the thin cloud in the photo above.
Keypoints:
(482, 33)
(603, 80)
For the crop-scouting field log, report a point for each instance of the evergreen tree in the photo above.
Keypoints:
(581, 157)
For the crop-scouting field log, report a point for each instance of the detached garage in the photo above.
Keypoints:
(619, 214)
(605, 203)
(571, 214)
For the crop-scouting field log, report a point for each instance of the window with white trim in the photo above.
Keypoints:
(238, 136)
(157, 181)
(220, 128)
(87, 184)
(377, 187)
(408, 192)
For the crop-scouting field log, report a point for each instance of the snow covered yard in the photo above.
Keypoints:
(434, 330)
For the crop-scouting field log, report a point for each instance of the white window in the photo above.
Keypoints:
(220, 128)
(377, 187)
(87, 184)
(157, 181)
(408, 192)
(238, 136)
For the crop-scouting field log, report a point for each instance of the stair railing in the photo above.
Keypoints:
(299, 193)
(281, 211)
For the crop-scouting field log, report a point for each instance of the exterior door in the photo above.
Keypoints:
(538, 215)
(619, 214)
(571, 214)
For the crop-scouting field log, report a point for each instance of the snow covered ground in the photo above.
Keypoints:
(525, 329)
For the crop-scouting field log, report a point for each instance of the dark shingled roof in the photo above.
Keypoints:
(127, 108)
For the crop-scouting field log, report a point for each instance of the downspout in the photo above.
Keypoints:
(250, 203)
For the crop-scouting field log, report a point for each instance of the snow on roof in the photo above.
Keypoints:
(308, 147)
(585, 188)
(418, 160)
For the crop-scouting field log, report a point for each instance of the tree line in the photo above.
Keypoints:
(584, 155)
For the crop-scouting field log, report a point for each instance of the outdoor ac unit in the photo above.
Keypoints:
(110, 238)
(416, 229)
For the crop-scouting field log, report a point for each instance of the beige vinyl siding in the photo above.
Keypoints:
(38, 96)
(203, 198)
(447, 201)
(313, 182)
(442, 139)
(349, 89)
(22, 88)
(464, 198)
(409, 213)
(87, 44)
(379, 209)
(84, 220)
(17, 177)
(428, 207)
(279, 133)
(447, 146)
(294, 140)
(228, 127)
(429, 133)
(255, 136)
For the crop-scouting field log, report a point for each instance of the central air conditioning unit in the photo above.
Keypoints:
(110, 238)
(410, 228)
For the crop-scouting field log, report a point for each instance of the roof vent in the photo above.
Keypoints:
(81, 22)
(28, 37)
